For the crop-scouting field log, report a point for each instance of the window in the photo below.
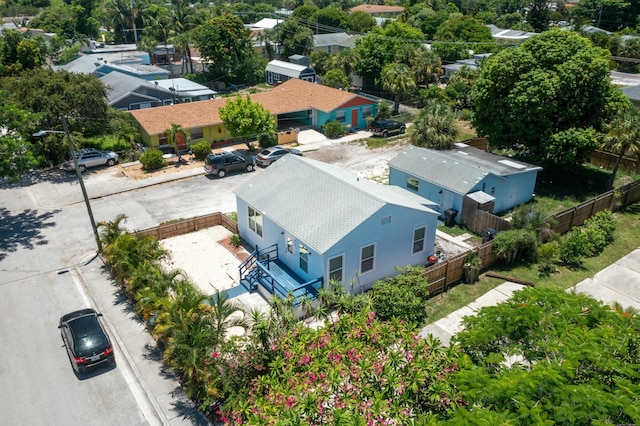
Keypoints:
(289, 246)
(413, 183)
(385, 220)
(366, 111)
(304, 258)
(341, 116)
(335, 268)
(162, 139)
(255, 221)
(366, 258)
(418, 240)
(196, 133)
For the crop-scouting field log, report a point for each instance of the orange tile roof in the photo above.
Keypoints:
(291, 96)
(376, 8)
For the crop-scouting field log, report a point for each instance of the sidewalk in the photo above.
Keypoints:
(618, 282)
(156, 389)
(112, 182)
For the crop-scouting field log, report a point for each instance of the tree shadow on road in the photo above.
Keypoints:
(23, 229)
(52, 175)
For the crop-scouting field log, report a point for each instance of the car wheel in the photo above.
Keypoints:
(82, 168)
(402, 130)
(249, 167)
(221, 173)
(385, 134)
(111, 162)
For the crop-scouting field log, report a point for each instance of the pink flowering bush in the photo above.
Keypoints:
(358, 370)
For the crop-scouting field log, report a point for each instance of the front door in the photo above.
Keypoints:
(354, 119)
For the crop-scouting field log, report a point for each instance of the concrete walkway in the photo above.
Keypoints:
(618, 282)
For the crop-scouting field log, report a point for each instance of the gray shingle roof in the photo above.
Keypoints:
(320, 203)
(457, 169)
(333, 39)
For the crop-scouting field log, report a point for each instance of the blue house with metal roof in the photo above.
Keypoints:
(311, 222)
(446, 176)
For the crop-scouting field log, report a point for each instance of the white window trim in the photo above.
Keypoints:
(424, 240)
(373, 265)
(341, 268)
(249, 220)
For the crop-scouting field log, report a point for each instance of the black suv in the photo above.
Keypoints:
(226, 162)
(385, 128)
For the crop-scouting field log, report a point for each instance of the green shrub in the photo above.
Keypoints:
(402, 296)
(547, 256)
(201, 150)
(152, 159)
(605, 222)
(266, 140)
(235, 240)
(465, 114)
(333, 129)
(514, 245)
(588, 240)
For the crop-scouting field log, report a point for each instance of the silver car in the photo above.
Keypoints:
(90, 157)
(269, 155)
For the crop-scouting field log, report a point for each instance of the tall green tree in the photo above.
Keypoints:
(295, 39)
(547, 356)
(378, 48)
(397, 79)
(549, 84)
(244, 118)
(623, 138)
(224, 43)
(434, 127)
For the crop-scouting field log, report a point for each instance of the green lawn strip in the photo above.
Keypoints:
(627, 240)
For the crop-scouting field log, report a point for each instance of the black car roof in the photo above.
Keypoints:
(78, 314)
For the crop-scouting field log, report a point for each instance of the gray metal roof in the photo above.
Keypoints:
(185, 87)
(458, 169)
(632, 92)
(333, 39)
(508, 34)
(320, 203)
(286, 68)
(82, 65)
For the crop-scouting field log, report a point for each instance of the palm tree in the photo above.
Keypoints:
(221, 310)
(426, 65)
(623, 137)
(434, 127)
(397, 79)
(175, 134)
(110, 231)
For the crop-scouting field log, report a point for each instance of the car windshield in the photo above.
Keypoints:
(88, 335)
(265, 152)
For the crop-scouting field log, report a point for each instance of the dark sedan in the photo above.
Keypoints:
(86, 340)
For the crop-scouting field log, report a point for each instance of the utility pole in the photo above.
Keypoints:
(72, 151)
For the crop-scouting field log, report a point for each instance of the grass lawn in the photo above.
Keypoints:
(627, 239)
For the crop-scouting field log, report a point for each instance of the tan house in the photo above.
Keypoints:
(294, 103)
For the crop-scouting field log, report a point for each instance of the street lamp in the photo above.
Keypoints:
(72, 152)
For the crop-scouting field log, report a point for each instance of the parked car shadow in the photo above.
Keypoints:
(23, 229)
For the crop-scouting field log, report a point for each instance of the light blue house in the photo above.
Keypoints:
(446, 176)
(311, 222)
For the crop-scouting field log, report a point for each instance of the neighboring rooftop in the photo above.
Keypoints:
(333, 203)
(458, 169)
(291, 96)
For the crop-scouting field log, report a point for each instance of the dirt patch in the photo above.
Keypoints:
(240, 252)
(135, 171)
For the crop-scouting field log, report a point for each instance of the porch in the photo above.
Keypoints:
(262, 270)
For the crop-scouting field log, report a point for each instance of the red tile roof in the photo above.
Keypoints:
(375, 8)
(290, 96)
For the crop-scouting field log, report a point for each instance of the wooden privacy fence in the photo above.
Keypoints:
(485, 220)
(444, 275)
(189, 225)
(608, 160)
